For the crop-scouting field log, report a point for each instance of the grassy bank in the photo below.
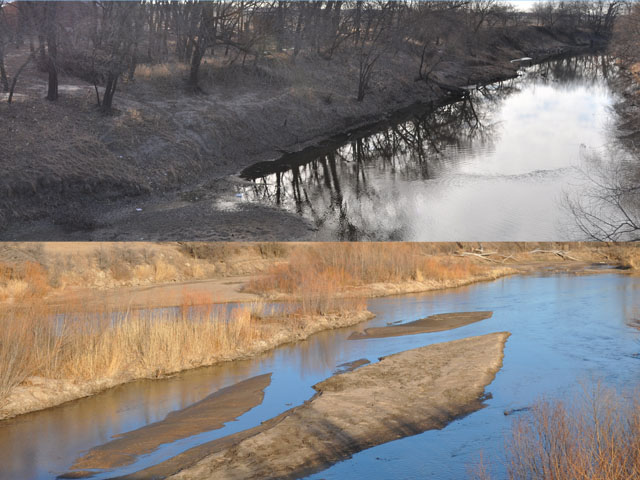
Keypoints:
(61, 339)
(51, 271)
(371, 269)
(49, 356)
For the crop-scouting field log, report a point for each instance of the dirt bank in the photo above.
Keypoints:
(433, 323)
(402, 395)
(164, 167)
(208, 414)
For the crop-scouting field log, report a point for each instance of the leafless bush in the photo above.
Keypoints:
(596, 436)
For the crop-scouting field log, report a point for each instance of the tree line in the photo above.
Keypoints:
(103, 42)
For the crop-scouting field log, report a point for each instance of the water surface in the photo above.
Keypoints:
(565, 329)
(494, 166)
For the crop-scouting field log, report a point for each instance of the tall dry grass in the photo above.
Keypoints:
(83, 346)
(322, 270)
(37, 339)
(594, 436)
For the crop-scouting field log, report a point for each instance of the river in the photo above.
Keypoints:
(565, 329)
(494, 166)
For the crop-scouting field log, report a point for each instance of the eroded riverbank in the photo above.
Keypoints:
(195, 197)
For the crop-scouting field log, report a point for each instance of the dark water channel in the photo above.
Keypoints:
(565, 329)
(494, 166)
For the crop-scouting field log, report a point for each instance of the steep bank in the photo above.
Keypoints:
(402, 395)
(160, 168)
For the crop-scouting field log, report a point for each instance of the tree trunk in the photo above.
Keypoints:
(3, 72)
(52, 51)
(52, 90)
(109, 92)
(15, 77)
(279, 30)
(196, 60)
(298, 35)
(357, 21)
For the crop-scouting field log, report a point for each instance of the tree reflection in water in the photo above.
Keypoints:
(340, 191)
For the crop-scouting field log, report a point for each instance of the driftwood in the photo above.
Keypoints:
(559, 253)
(486, 255)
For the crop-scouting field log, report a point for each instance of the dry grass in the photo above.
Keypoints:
(594, 436)
(33, 270)
(625, 255)
(328, 268)
(38, 340)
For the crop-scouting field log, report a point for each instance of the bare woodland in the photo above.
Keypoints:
(103, 41)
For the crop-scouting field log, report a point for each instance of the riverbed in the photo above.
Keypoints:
(493, 166)
(565, 329)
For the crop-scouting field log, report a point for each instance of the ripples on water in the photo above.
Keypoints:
(494, 166)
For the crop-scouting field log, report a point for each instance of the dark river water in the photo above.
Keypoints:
(565, 330)
(495, 166)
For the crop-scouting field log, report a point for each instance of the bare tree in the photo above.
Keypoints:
(480, 11)
(50, 33)
(213, 23)
(608, 208)
(626, 35)
(113, 47)
(4, 41)
(17, 74)
(374, 42)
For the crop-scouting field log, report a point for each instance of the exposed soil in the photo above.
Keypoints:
(220, 290)
(351, 366)
(432, 323)
(402, 395)
(165, 167)
(208, 414)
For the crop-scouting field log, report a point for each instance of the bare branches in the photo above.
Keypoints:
(15, 77)
(609, 208)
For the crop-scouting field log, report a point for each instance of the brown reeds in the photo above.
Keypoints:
(80, 345)
(328, 268)
(596, 436)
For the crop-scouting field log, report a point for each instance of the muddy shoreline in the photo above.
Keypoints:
(203, 206)
(434, 323)
(351, 412)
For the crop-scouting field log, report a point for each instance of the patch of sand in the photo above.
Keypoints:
(402, 395)
(433, 323)
(208, 414)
